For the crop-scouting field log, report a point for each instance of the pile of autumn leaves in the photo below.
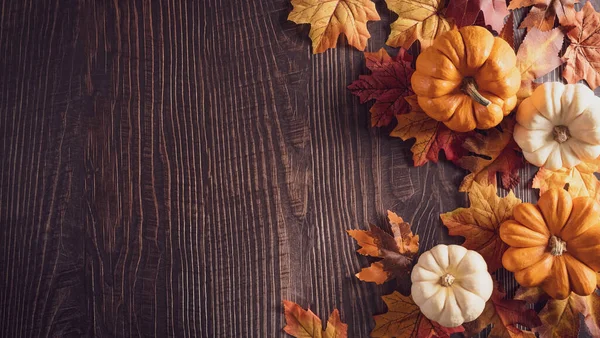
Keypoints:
(396, 249)
(485, 154)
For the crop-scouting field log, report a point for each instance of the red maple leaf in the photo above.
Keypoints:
(504, 314)
(388, 84)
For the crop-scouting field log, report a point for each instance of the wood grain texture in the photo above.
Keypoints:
(177, 168)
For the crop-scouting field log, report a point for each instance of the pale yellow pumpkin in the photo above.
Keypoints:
(451, 284)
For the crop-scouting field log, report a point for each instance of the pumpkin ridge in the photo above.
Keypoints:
(464, 53)
(432, 298)
(422, 267)
(558, 286)
(584, 215)
(510, 254)
(444, 270)
(574, 279)
(523, 214)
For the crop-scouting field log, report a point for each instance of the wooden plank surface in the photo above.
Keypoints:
(177, 168)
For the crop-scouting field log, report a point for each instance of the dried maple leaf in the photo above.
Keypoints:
(581, 179)
(405, 320)
(583, 54)
(329, 18)
(493, 152)
(544, 13)
(508, 31)
(504, 314)
(305, 324)
(560, 318)
(480, 222)
(430, 135)
(531, 295)
(397, 251)
(465, 12)
(417, 20)
(388, 84)
(537, 56)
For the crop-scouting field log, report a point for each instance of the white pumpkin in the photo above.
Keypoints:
(558, 126)
(451, 284)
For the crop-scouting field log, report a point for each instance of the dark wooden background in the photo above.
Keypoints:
(177, 168)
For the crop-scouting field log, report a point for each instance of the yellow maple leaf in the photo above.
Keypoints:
(479, 224)
(329, 18)
(302, 323)
(417, 20)
(404, 320)
(581, 179)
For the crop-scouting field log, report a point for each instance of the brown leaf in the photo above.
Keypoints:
(430, 135)
(508, 32)
(305, 324)
(544, 13)
(591, 314)
(328, 19)
(583, 54)
(531, 295)
(397, 251)
(581, 179)
(417, 20)
(537, 56)
(504, 314)
(388, 84)
(480, 223)
(494, 152)
(560, 318)
(405, 320)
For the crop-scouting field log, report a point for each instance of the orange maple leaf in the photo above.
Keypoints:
(480, 222)
(305, 324)
(417, 20)
(430, 135)
(583, 55)
(405, 320)
(581, 179)
(544, 13)
(504, 315)
(397, 251)
(537, 56)
(329, 18)
(493, 151)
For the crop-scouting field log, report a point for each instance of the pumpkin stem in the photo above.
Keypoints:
(447, 280)
(469, 86)
(557, 246)
(561, 134)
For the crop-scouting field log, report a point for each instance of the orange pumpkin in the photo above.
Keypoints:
(467, 79)
(554, 244)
